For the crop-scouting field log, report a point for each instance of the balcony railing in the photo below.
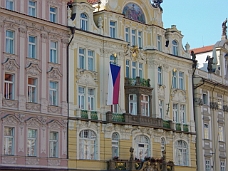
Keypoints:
(93, 115)
(118, 117)
(167, 124)
(137, 82)
(185, 128)
(84, 114)
(178, 127)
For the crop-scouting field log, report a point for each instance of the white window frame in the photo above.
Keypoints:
(82, 58)
(112, 30)
(205, 98)
(32, 47)
(32, 143)
(53, 14)
(84, 21)
(221, 133)
(128, 68)
(10, 42)
(81, 98)
(140, 70)
(115, 144)
(159, 75)
(140, 44)
(53, 52)
(206, 130)
(222, 165)
(176, 113)
(181, 80)
(54, 143)
(9, 139)
(161, 108)
(10, 4)
(115, 108)
(32, 8)
(174, 79)
(133, 104)
(32, 91)
(127, 34)
(53, 93)
(142, 147)
(7, 85)
(220, 103)
(183, 116)
(163, 145)
(90, 60)
(91, 99)
(145, 104)
(175, 47)
(181, 153)
(134, 69)
(207, 165)
(159, 42)
(133, 37)
(88, 140)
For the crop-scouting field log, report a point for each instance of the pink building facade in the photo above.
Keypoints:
(33, 83)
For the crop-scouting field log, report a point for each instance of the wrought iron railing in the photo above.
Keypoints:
(118, 117)
(137, 82)
(93, 115)
(166, 124)
(84, 114)
(178, 127)
(185, 128)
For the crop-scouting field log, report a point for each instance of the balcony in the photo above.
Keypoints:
(167, 124)
(87, 115)
(137, 82)
(180, 127)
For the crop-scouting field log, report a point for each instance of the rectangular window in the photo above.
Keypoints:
(221, 138)
(53, 144)
(53, 14)
(115, 108)
(220, 103)
(182, 113)
(159, 75)
(206, 131)
(175, 113)
(32, 8)
(112, 29)
(81, 97)
(53, 52)
(140, 39)
(159, 43)
(133, 41)
(113, 59)
(53, 93)
(222, 165)
(10, 4)
(90, 60)
(127, 34)
(174, 80)
(127, 68)
(9, 86)
(205, 99)
(81, 58)
(133, 67)
(133, 104)
(32, 142)
(8, 141)
(144, 105)
(181, 80)
(161, 111)
(207, 165)
(9, 41)
(140, 70)
(32, 86)
(91, 99)
(32, 47)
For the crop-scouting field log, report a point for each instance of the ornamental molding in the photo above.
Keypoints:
(33, 106)
(214, 105)
(54, 109)
(10, 120)
(10, 103)
(86, 77)
(53, 162)
(33, 69)
(43, 119)
(10, 65)
(161, 91)
(32, 161)
(54, 124)
(81, 125)
(33, 122)
(9, 160)
(20, 117)
(54, 73)
(198, 101)
(178, 95)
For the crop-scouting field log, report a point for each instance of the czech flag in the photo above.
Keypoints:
(113, 84)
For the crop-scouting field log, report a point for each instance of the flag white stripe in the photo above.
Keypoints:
(110, 89)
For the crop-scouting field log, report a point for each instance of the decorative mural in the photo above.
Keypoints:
(134, 12)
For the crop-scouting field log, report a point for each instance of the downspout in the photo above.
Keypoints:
(72, 29)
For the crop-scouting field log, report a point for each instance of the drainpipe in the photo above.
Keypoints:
(72, 29)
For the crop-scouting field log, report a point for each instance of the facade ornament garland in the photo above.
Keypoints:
(10, 65)
(214, 105)
(54, 73)
(33, 69)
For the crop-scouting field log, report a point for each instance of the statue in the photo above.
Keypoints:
(100, 22)
(157, 3)
(131, 156)
(210, 62)
(224, 27)
(193, 55)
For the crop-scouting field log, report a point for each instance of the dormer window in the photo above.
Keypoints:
(84, 21)
(175, 47)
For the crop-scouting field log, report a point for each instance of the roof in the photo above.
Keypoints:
(203, 49)
(92, 1)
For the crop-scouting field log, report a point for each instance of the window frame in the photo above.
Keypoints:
(81, 98)
(12, 6)
(32, 46)
(140, 37)
(53, 14)
(133, 104)
(127, 34)
(53, 93)
(84, 21)
(112, 29)
(181, 80)
(205, 98)
(181, 153)
(160, 75)
(161, 108)
(31, 8)
(206, 131)
(221, 133)
(133, 37)
(115, 144)
(54, 142)
(90, 57)
(163, 145)
(140, 141)
(175, 48)
(207, 165)
(30, 88)
(182, 112)
(91, 99)
(127, 68)
(146, 103)
(176, 113)
(32, 139)
(222, 165)
(53, 52)
(10, 42)
(174, 80)
(7, 88)
(9, 137)
(159, 42)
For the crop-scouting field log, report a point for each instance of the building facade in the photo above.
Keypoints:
(155, 109)
(210, 99)
(33, 102)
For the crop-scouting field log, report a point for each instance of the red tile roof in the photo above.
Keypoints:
(93, 1)
(203, 49)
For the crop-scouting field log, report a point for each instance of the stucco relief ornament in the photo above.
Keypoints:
(10, 65)
(20, 117)
(33, 69)
(54, 73)
(199, 101)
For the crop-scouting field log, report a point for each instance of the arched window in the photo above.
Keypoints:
(175, 47)
(115, 144)
(87, 145)
(142, 147)
(163, 144)
(181, 153)
(206, 131)
(84, 21)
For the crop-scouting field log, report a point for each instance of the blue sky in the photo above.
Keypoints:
(199, 21)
